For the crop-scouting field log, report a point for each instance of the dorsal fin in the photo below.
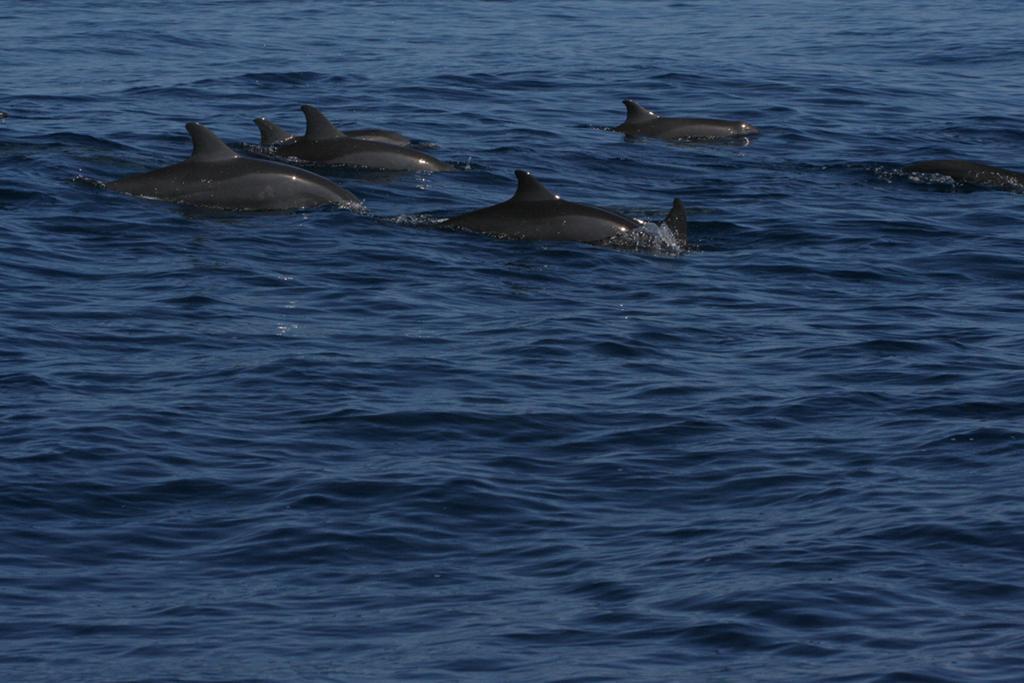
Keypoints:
(317, 125)
(635, 114)
(270, 132)
(676, 220)
(530, 189)
(206, 146)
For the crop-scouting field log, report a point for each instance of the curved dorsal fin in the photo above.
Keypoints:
(206, 146)
(270, 132)
(317, 125)
(635, 114)
(676, 219)
(530, 189)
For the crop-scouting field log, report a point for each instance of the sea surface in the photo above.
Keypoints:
(342, 446)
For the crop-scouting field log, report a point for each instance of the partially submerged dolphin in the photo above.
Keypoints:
(273, 134)
(536, 213)
(325, 144)
(971, 173)
(644, 122)
(218, 178)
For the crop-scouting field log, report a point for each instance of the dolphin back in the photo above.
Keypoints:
(318, 127)
(676, 220)
(637, 115)
(270, 132)
(218, 178)
(971, 173)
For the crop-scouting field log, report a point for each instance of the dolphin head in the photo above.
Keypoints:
(747, 129)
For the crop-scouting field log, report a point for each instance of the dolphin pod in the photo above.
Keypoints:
(536, 213)
(216, 177)
(323, 144)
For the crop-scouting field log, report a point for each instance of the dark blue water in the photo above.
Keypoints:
(328, 446)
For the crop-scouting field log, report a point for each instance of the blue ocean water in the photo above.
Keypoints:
(332, 446)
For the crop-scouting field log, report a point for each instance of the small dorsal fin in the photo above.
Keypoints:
(530, 189)
(676, 220)
(317, 125)
(635, 114)
(206, 146)
(270, 132)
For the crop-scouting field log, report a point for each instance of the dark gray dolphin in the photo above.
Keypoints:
(3, 115)
(325, 144)
(536, 213)
(971, 173)
(216, 177)
(644, 122)
(273, 134)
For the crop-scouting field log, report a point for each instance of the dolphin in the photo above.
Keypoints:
(3, 115)
(971, 173)
(273, 134)
(218, 178)
(536, 213)
(325, 144)
(643, 122)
